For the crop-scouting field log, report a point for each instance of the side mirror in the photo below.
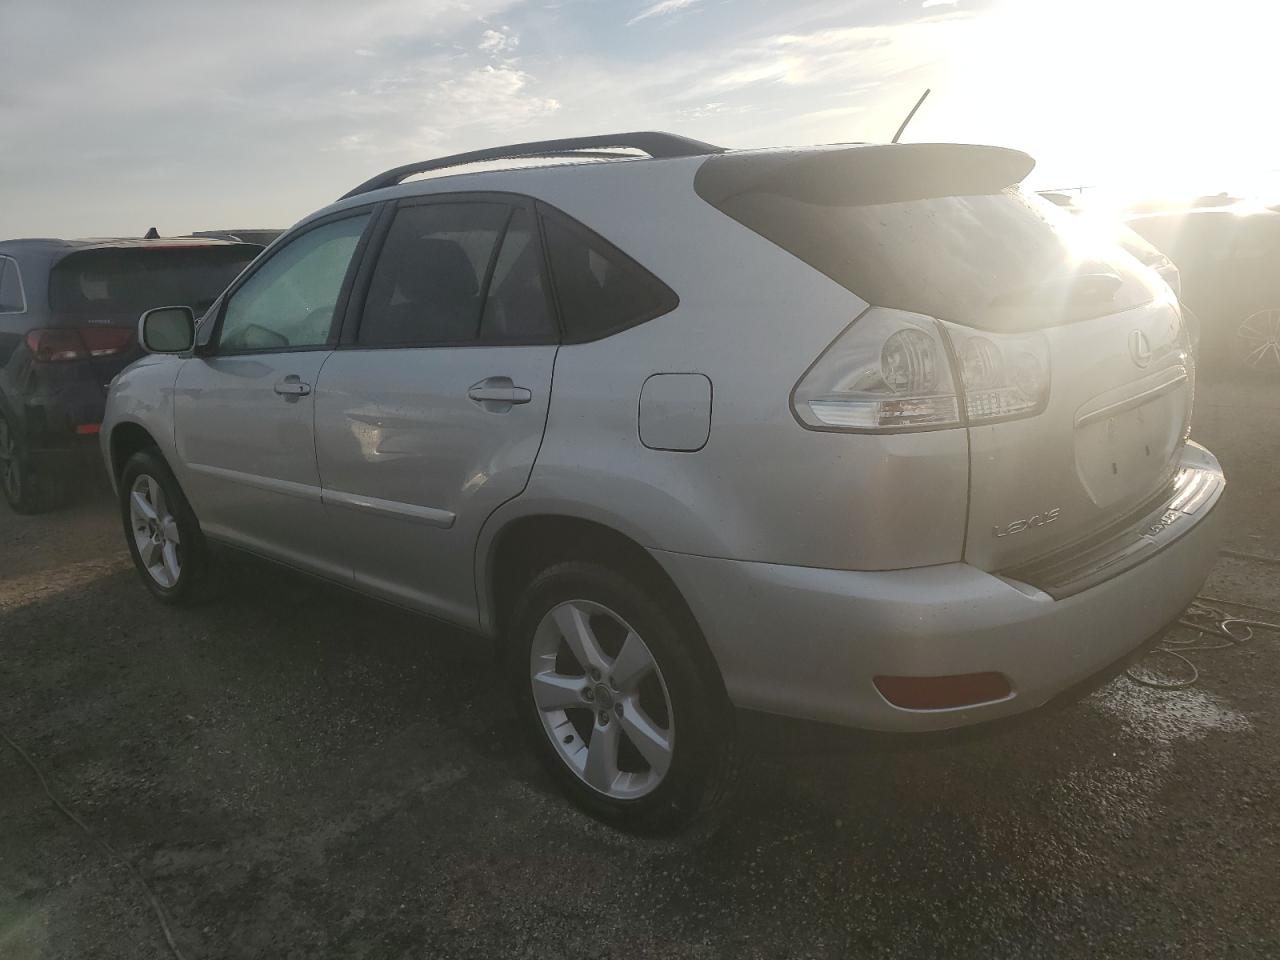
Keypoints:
(167, 330)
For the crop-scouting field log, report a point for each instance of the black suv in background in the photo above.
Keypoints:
(68, 318)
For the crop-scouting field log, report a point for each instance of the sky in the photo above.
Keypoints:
(118, 116)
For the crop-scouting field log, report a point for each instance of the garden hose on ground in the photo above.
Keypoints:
(112, 855)
(1214, 629)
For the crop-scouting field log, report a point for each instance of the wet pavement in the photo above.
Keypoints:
(302, 773)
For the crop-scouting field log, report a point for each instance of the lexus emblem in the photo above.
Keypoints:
(1139, 348)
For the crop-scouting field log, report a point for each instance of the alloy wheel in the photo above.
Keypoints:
(155, 531)
(1258, 340)
(602, 698)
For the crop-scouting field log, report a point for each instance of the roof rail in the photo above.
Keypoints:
(656, 145)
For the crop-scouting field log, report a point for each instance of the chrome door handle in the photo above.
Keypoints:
(292, 387)
(498, 393)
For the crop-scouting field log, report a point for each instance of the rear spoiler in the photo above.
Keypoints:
(863, 175)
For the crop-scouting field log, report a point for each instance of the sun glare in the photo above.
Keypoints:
(1149, 98)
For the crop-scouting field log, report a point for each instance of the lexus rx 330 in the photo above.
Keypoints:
(860, 434)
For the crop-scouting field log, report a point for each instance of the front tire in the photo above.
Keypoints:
(618, 710)
(161, 530)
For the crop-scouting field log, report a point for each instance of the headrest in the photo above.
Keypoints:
(432, 268)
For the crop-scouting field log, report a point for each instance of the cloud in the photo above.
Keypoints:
(660, 9)
(125, 127)
(939, 3)
(249, 129)
(498, 41)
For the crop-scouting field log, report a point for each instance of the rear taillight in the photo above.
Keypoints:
(1002, 376)
(889, 371)
(893, 371)
(57, 346)
(64, 344)
(106, 341)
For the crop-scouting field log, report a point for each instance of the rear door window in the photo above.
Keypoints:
(12, 297)
(428, 285)
(600, 290)
(115, 284)
(290, 300)
(516, 309)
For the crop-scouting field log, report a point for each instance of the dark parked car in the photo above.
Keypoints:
(68, 318)
(1229, 260)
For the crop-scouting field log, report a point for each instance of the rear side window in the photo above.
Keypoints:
(12, 299)
(599, 288)
(992, 259)
(117, 284)
(428, 285)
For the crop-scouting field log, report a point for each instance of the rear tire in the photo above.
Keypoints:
(637, 736)
(161, 531)
(27, 488)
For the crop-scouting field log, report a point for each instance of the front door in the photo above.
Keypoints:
(433, 416)
(244, 412)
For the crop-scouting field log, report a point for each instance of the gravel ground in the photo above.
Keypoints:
(302, 773)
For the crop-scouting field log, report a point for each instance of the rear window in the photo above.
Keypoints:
(998, 260)
(123, 282)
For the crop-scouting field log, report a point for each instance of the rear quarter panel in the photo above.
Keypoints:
(752, 318)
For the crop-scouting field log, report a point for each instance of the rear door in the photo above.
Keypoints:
(1041, 303)
(1108, 441)
(244, 413)
(431, 415)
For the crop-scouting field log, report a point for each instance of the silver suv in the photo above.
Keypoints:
(858, 434)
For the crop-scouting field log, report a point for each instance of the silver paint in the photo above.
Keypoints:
(811, 560)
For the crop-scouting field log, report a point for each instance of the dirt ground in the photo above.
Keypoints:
(302, 773)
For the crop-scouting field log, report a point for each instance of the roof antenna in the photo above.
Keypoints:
(154, 234)
(910, 115)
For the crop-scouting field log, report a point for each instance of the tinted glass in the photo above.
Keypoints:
(428, 284)
(123, 282)
(600, 289)
(999, 261)
(11, 299)
(516, 309)
(289, 301)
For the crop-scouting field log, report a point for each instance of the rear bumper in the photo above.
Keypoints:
(807, 643)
